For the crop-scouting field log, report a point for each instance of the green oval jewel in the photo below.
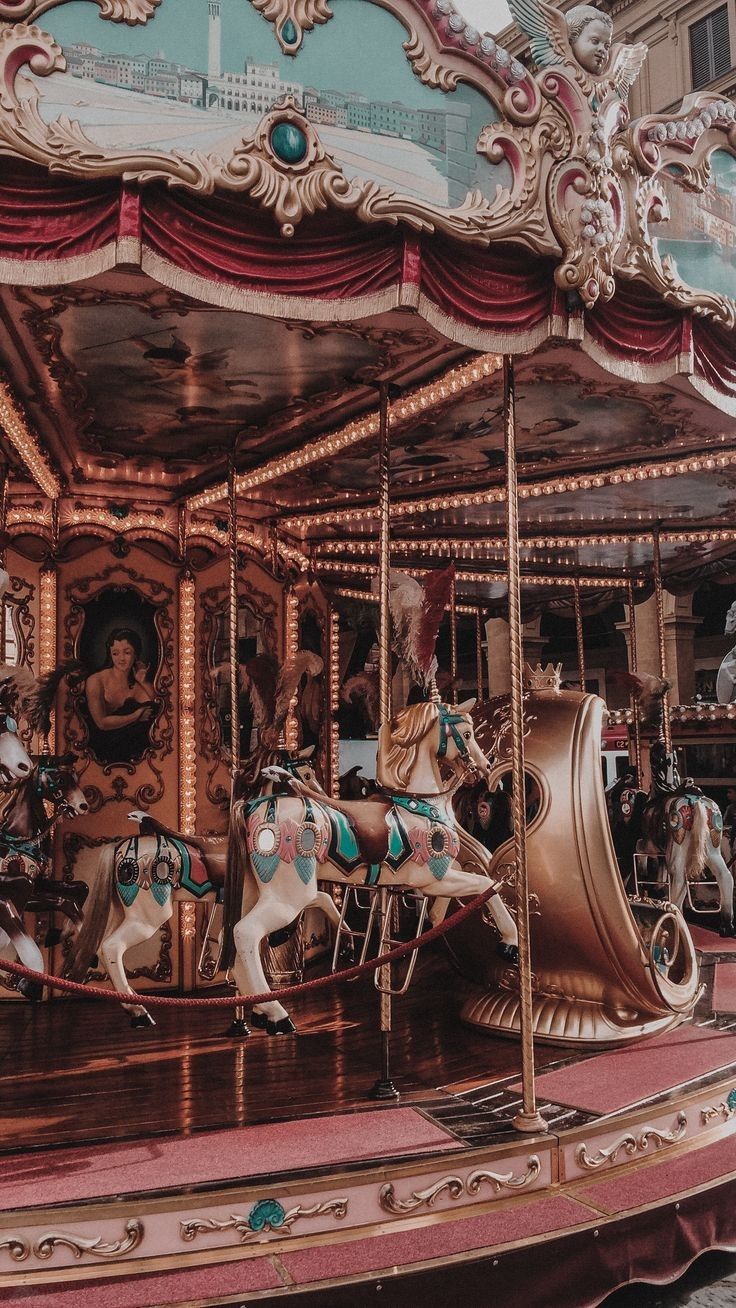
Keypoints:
(288, 142)
(289, 32)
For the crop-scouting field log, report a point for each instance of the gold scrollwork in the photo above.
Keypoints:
(18, 1248)
(455, 1187)
(266, 1217)
(292, 18)
(98, 1248)
(117, 11)
(725, 1110)
(631, 1144)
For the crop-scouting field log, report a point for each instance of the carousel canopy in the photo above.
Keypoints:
(219, 235)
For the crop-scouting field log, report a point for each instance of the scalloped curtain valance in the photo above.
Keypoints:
(223, 250)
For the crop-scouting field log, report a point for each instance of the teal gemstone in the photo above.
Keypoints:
(289, 32)
(289, 143)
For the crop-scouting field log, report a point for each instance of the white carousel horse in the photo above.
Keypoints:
(19, 849)
(283, 845)
(132, 895)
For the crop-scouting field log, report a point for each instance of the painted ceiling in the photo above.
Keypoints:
(142, 393)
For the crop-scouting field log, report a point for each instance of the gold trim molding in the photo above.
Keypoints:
(266, 1217)
(455, 1187)
(631, 1144)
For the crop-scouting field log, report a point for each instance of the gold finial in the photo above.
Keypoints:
(539, 678)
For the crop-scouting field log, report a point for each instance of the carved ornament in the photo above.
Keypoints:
(265, 1217)
(631, 1144)
(455, 1187)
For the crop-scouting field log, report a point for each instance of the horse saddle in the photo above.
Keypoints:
(367, 817)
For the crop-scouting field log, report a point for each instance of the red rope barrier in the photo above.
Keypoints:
(232, 1001)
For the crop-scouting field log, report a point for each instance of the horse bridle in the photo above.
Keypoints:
(448, 722)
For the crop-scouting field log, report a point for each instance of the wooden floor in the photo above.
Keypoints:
(74, 1071)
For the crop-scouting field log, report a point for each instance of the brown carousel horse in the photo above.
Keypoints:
(678, 821)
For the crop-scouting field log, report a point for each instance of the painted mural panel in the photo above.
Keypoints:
(700, 235)
(202, 74)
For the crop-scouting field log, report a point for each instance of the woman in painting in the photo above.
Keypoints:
(121, 701)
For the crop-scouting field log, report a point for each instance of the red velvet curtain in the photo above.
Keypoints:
(45, 217)
(226, 239)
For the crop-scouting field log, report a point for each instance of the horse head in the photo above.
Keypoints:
(57, 783)
(429, 732)
(731, 620)
(15, 761)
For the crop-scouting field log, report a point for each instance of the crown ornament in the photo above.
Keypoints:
(539, 678)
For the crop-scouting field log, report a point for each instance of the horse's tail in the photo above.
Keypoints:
(240, 884)
(698, 846)
(96, 916)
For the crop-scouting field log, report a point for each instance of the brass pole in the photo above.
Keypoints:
(384, 1087)
(528, 1119)
(634, 666)
(453, 642)
(182, 531)
(479, 654)
(233, 625)
(659, 600)
(579, 635)
(4, 478)
(238, 1026)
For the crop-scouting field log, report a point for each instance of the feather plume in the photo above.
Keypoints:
(416, 613)
(260, 676)
(648, 691)
(288, 684)
(362, 691)
(37, 698)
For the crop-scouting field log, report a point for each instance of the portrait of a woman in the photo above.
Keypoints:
(120, 699)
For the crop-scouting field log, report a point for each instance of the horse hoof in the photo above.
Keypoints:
(53, 937)
(284, 1026)
(32, 990)
(239, 1027)
(346, 955)
(509, 953)
(141, 1020)
(728, 929)
(258, 1021)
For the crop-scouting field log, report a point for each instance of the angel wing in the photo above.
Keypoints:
(626, 66)
(546, 29)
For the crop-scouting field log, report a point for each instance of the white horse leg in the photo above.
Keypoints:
(135, 929)
(458, 884)
(675, 861)
(716, 863)
(268, 915)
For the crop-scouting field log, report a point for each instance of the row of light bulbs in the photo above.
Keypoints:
(408, 407)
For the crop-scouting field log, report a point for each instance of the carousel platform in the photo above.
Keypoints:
(176, 1167)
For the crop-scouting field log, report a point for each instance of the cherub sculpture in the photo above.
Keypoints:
(582, 41)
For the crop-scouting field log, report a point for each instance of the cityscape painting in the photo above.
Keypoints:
(201, 74)
(700, 235)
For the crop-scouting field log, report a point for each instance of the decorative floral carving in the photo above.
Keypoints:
(454, 1187)
(631, 1144)
(292, 18)
(725, 1110)
(46, 1244)
(117, 11)
(265, 1217)
(17, 1248)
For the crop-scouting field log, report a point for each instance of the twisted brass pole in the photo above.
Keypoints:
(479, 653)
(384, 1087)
(634, 666)
(579, 635)
(528, 1119)
(4, 478)
(453, 642)
(233, 625)
(659, 600)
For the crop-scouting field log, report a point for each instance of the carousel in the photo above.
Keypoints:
(339, 353)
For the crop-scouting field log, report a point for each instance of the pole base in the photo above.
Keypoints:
(383, 1090)
(530, 1123)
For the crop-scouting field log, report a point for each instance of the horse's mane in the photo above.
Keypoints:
(399, 741)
